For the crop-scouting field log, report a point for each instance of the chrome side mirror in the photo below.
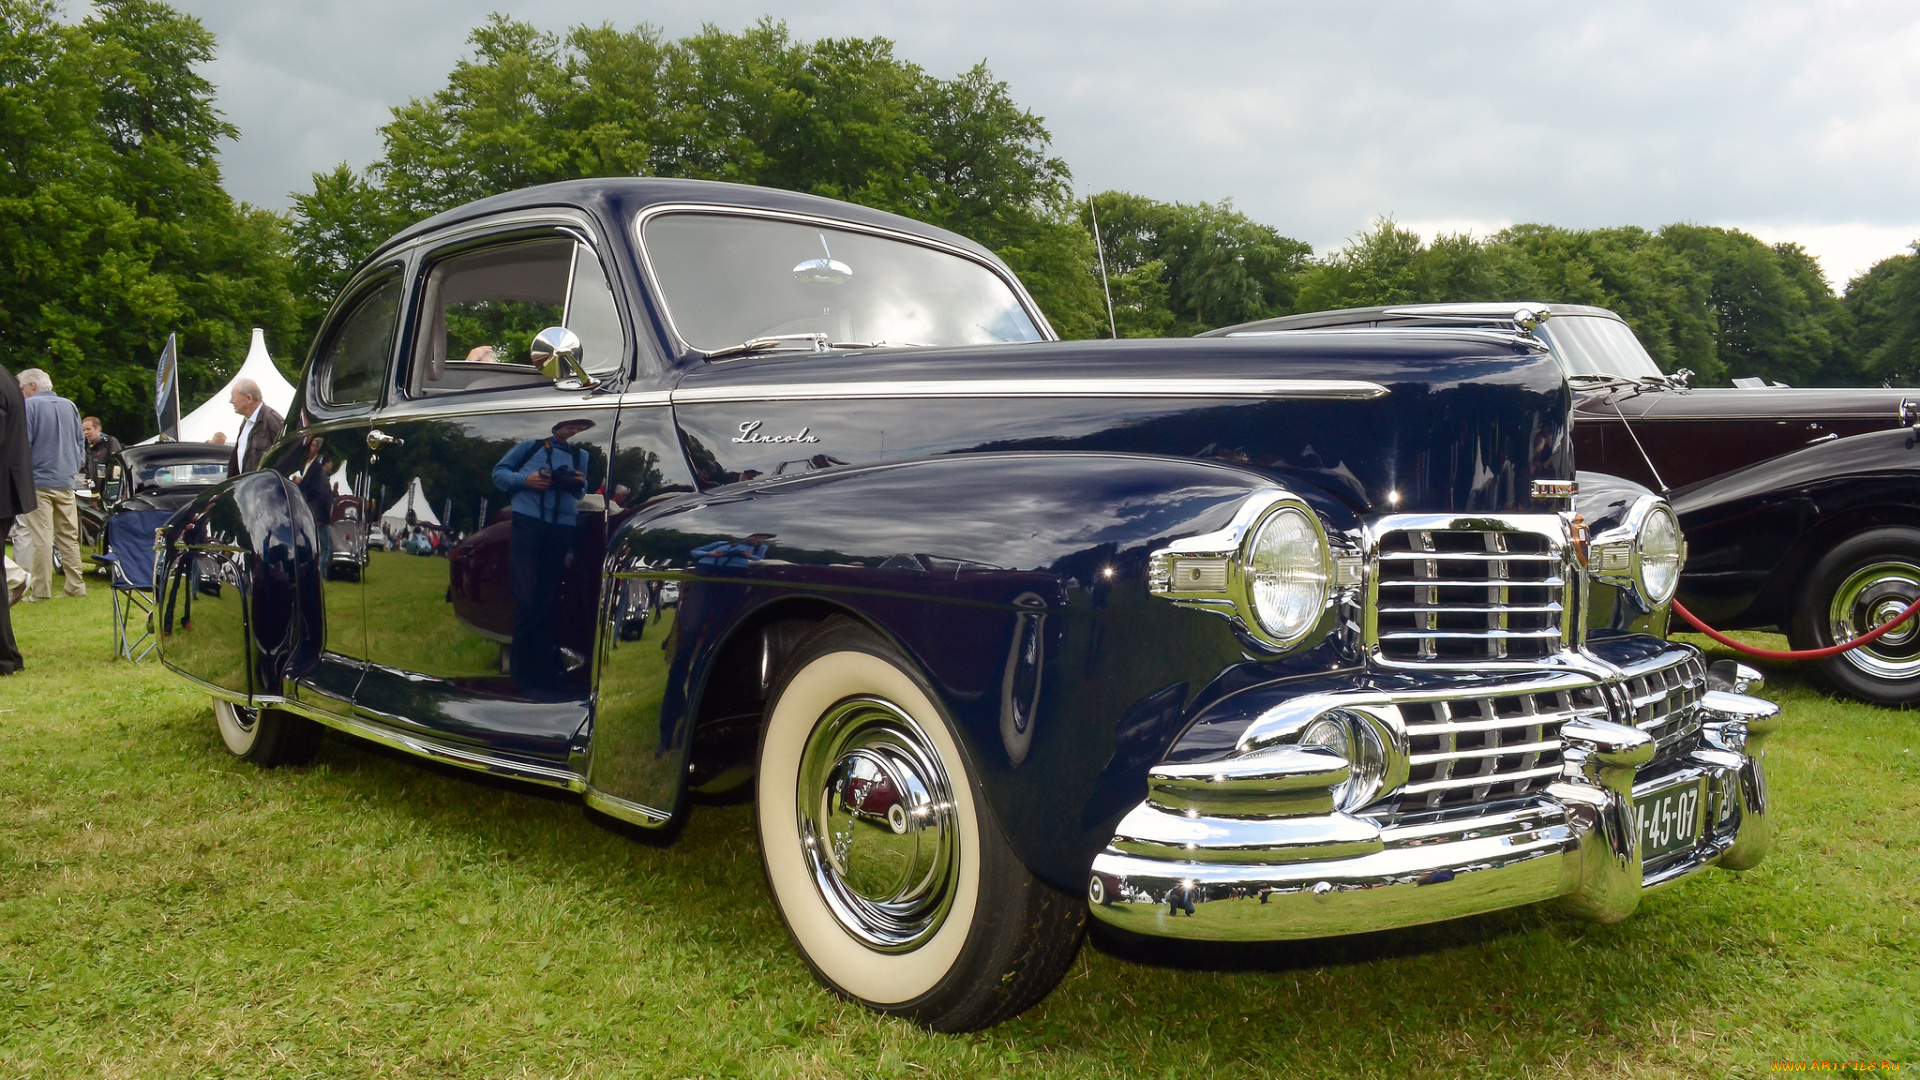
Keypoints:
(556, 352)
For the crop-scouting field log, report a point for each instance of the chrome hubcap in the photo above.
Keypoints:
(876, 822)
(1871, 597)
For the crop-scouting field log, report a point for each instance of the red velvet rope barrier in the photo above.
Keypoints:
(1867, 638)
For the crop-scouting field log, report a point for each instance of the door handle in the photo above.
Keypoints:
(377, 439)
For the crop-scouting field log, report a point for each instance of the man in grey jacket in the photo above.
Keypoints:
(59, 452)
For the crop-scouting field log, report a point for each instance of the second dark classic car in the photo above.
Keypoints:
(1801, 507)
(1234, 640)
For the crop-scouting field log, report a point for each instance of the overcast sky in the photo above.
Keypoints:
(1793, 121)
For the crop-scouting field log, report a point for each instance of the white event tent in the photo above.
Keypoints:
(217, 413)
(395, 519)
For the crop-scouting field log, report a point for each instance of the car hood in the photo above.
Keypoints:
(1466, 422)
(1733, 403)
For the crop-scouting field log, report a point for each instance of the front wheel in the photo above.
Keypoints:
(1866, 580)
(881, 853)
(266, 737)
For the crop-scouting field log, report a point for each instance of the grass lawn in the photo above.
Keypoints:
(166, 910)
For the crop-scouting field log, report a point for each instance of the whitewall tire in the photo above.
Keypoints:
(883, 858)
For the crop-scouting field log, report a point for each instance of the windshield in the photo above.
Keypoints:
(728, 279)
(178, 474)
(1589, 345)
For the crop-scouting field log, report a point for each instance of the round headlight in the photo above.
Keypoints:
(1658, 567)
(1287, 574)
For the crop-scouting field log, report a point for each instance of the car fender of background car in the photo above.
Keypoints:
(1255, 639)
(1801, 507)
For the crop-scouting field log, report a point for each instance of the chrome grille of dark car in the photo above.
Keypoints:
(1660, 698)
(1467, 751)
(1467, 595)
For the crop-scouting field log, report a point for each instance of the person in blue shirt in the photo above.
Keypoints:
(59, 454)
(545, 478)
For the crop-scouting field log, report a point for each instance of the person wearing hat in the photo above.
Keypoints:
(545, 478)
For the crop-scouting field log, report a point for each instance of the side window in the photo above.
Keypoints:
(481, 309)
(355, 359)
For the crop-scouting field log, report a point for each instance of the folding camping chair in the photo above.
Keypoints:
(127, 557)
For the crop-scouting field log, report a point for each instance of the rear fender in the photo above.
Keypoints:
(1752, 533)
(1015, 582)
(239, 590)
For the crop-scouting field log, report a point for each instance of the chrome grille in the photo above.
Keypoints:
(1661, 698)
(1472, 750)
(1468, 594)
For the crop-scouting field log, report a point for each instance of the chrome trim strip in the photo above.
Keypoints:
(1285, 389)
(550, 776)
(626, 810)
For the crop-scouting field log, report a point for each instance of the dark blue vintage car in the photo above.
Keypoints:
(729, 489)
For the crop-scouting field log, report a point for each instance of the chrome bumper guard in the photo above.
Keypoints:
(1232, 869)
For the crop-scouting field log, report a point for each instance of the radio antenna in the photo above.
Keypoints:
(1112, 327)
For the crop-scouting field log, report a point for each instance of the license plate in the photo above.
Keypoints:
(1669, 820)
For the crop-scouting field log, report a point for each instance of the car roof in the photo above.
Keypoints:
(1487, 315)
(162, 453)
(630, 195)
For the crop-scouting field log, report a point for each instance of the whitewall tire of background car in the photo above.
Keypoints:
(885, 861)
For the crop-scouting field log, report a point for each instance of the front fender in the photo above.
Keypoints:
(1753, 531)
(1017, 583)
(239, 589)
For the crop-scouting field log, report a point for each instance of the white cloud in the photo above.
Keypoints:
(1313, 118)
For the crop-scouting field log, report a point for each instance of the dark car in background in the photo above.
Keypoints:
(1282, 637)
(1801, 507)
(154, 476)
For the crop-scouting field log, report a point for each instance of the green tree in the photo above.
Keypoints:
(114, 228)
(841, 117)
(1883, 308)
(1181, 269)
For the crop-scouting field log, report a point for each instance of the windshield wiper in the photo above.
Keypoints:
(817, 343)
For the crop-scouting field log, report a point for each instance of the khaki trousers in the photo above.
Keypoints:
(55, 521)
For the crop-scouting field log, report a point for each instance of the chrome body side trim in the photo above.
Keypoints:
(625, 810)
(1278, 389)
(548, 775)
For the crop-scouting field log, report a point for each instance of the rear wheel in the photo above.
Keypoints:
(882, 854)
(266, 737)
(1866, 580)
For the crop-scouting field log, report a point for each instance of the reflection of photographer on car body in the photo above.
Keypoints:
(546, 478)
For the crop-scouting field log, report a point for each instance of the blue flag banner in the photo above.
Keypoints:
(166, 391)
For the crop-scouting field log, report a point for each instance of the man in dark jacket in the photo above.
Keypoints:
(258, 432)
(17, 496)
(101, 447)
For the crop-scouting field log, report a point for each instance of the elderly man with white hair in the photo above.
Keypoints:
(259, 431)
(59, 452)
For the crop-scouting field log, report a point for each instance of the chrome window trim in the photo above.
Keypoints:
(424, 251)
(640, 220)
(1292, 389)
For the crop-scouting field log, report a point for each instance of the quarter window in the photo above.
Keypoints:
(480, 311)
(355, 358)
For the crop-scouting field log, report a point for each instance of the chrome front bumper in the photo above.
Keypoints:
(1183, 874)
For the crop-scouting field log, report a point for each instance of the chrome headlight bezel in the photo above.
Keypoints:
(1619, 558)
(1215, 571)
